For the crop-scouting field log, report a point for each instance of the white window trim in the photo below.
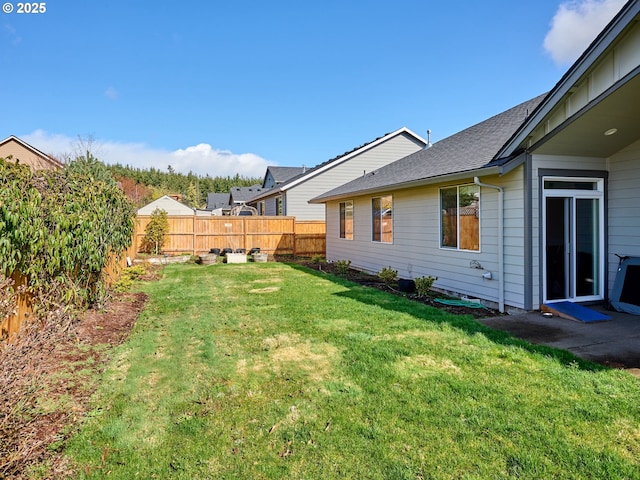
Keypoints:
(340, 220)
(457, 247)
(377, 242)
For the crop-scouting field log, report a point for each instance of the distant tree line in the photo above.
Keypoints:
(145, 185)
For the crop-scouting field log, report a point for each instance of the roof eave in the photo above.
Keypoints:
(575, 72)
(34, 150)
(451, 177)
(266, 194)
(359, 151)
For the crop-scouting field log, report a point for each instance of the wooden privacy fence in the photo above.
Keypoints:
(194, 234)
(11, 325)
(273, 235)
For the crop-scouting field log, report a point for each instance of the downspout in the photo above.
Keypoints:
(477, 181)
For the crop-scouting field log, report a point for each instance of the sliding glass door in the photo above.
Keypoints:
(573, 239)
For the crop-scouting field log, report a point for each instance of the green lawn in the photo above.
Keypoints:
(273, 371)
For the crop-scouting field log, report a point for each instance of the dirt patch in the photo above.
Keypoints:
(49, 374)
(531, 332)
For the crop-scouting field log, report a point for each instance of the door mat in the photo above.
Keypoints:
(573, 311)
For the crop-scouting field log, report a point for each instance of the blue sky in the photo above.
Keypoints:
(229, 87)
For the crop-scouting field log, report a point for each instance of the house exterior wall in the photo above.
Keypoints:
(269, 205)
(25, 156)
(416, 251)
(269, 181)
(624, 198)
(297, 196)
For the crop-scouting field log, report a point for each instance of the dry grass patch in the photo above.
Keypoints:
(264, 290)
(313, 359)
(419, 366)
(289, 353)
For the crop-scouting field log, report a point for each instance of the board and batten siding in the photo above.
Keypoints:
(624, 198)
(623, 58)
(416, 251)
(298, 196)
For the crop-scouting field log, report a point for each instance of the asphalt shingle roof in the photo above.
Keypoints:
(282, 174)
(244, 194)
(217, 200)
(470, 149)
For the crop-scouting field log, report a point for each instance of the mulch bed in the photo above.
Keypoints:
(48, 375)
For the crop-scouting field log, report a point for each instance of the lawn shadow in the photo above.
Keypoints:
(466, 323)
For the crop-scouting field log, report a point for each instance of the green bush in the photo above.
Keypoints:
(128, 277)
(343, 266)
(59, 229)
(424, 284)
(318, 259)
(156, 231)
(388, 275)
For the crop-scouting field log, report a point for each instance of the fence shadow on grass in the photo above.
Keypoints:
(469, 325)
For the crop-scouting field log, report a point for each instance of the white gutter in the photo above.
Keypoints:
(477, 181)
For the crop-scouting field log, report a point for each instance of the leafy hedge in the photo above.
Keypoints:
(59, 228)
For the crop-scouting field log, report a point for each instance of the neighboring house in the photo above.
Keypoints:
(218, 203)
(168, 204)
(23, 153)
(276, 176)
(242, 195)
(273, 178)
(526, 208)
(292, 196)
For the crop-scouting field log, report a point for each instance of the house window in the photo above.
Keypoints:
(346, 220)
(279, 206)
(382, 219)
(460, 217)
(261, 207)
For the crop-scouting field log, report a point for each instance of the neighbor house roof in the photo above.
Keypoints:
(324, 166)
(43, 160)
(243, 194)
(217, 200)
(168, 204)
(283, 174)
(471, 149)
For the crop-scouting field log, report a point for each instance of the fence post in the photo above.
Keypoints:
(295, 237)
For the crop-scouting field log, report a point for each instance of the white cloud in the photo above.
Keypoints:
(111, 93)
(12, 35)
(201, 159)
(575, 25)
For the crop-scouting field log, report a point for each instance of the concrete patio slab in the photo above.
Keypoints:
(614, 342)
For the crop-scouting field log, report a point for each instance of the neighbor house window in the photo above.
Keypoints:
(279, 205)
(346, 220)
(261, 207)
(460, 217)
(382, 219)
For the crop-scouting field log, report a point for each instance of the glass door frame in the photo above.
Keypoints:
(571, 195)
